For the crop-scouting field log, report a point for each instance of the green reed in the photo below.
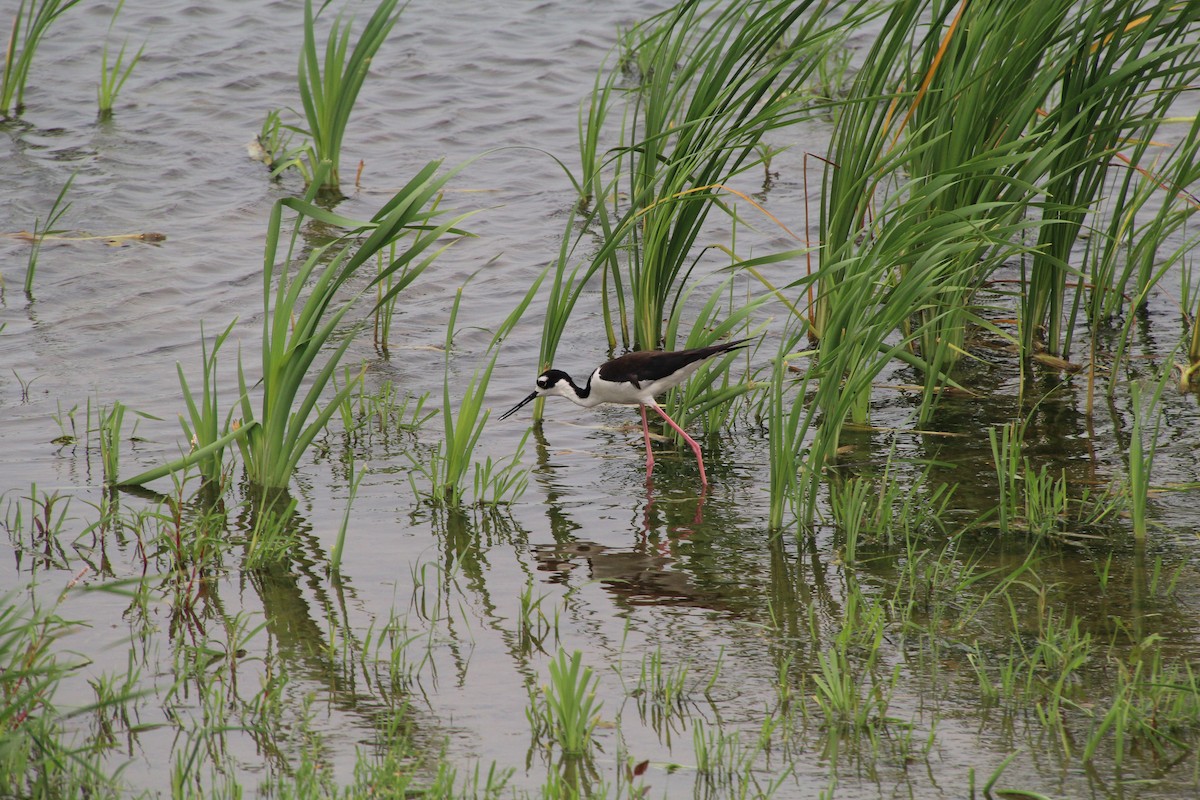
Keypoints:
(534, 625)
(944, 159)
(451, 460)
(1122, 67)
(30, 673)
(1143, 442)
(851, 694)
(713, 82)
(1188, 378)
(593, 114)
(273, 535)
(1006, 456)
(204, 428)
(568, 708)
(709, 394)
(565, 291)
(37, 758)
(355, 478)
(908, 258)
(295, 331)
(788, 418)
(112, 78)
(111, 422)
(1154, 706)
(303, 310)
(30, 23)
(329, 84)
(40, 231)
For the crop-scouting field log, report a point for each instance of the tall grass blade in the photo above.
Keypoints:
(31, 21)
(329, 85)
(112, 78)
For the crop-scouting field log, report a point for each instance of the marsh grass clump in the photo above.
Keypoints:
(712, 82)
(41, 230)
(329, 86)
(28, 680)
(918, 211)
(303, 310)
(567, 709)
(30, 23)
(852, 687)
(38, 756)
(495, 482)
(113, 77)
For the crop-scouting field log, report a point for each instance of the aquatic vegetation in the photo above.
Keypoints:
(38, 758)
(709, 395)
(329, 86)
(29, 676)
(339, 546)
(918, 212)
(296, 330)
(567, 709)
(788, 418)
(112, 78)
(711, 83)
(111, 422)
(960, 587)
(30, 23)
(534, 626)
(1143, 441)
(204, 428)
(494, 482)
(40, 231)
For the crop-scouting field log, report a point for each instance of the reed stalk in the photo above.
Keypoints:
(30, 748)
(570, 707)
(302, 312)
(111, 422)
(452, 460)
(112, 78)
(40, 231)
(1143, 442)
(203, 427)
(355, 478)
(714, 80)
(30, 23)
(1122, 67)
(709, 394)
(961, 138)
(788, 419)
(329, 84)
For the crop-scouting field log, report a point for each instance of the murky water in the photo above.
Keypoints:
(625, 569)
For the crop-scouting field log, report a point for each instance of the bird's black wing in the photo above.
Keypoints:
(645, 366)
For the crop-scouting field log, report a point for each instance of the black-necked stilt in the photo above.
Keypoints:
(634, 379)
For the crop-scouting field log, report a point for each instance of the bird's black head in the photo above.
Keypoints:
(548, 379)
(550, 382)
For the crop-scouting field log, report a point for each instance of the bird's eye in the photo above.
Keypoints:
(542, 383)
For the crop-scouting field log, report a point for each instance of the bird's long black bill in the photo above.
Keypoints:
(518, 406)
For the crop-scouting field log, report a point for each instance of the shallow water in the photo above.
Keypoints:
(628, 568)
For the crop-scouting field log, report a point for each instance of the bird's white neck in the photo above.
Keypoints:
(580, 397)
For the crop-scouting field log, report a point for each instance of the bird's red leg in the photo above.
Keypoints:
(649, 452)
(691, 442)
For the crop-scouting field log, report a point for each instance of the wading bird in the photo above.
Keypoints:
(634, 379)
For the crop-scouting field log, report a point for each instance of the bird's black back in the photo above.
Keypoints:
(644, 366)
